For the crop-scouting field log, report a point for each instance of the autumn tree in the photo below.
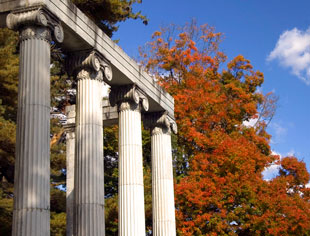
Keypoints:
(283, 203)
(221, 190)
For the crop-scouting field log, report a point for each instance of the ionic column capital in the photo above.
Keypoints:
(128, 97)
(36, 22)
(90, 65)
(160, 122)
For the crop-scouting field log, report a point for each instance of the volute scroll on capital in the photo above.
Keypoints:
(129, 94)
(89, 64)
(36, 22)
(159, 121)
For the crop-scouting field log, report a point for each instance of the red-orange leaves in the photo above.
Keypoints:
(290, 166)
(220, 190)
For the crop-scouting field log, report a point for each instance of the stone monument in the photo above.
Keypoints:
(134, 98)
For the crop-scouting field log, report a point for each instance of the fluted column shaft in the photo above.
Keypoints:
(131, 190)
(90, 69)
(70, 146)
(31, 215)
(89, 171)
(162, 183)
(70, 155)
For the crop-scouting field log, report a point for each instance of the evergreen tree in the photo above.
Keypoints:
(8, 110)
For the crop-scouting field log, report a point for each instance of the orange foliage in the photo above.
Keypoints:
(222, 191)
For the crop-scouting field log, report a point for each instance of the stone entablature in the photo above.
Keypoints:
(82, 34)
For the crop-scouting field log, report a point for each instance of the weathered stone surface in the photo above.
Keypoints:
(89, 169)
(81, 33)
(162, 175)
(32, 169)
(131, 192)
(70, 155)
(31, 214)
(110, 114)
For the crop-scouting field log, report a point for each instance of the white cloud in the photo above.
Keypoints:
(250, 123)
(293, 51)
(273, 170)
(279, 132)
(291, 153)
(276, 153)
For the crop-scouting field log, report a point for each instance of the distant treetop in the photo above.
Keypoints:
(107, 13)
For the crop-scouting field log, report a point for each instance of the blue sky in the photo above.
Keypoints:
(257, 29)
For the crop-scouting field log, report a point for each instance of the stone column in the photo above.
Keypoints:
(70, 154)
(131, 190)
(90, 71)
(162, 174)
(31, 214)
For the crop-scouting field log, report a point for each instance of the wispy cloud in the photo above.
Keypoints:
(293, 51)
(271, 171)
(279, 132)
(291, 153)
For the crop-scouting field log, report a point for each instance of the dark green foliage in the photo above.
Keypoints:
(8, 73)
(147, 181)
(8, 108)
(58, 200)
(110, 161)
(7, 149)
(146, 147)
(58, 154)
(111, 215)
(6, 214)
(107, 13)
(58, 224)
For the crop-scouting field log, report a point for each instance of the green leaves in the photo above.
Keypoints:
(8, 73)
(107, 13)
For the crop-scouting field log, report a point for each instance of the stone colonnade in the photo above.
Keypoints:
(85, 172)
